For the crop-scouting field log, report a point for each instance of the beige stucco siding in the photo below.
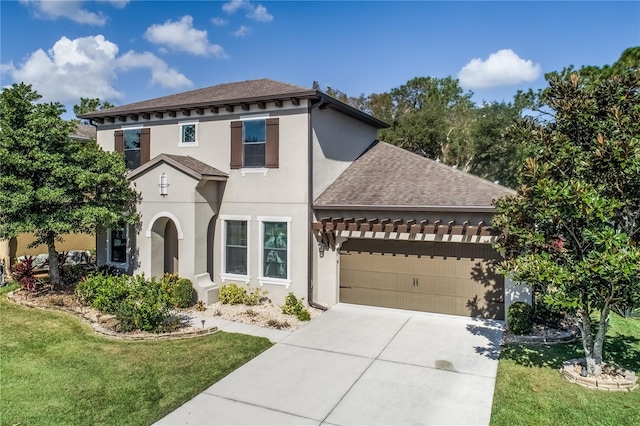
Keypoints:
(337, 141)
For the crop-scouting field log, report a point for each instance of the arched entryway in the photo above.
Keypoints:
(170, 248)
(165, 232)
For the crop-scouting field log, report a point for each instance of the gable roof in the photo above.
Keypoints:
(242, 92)
(186, 164)
(389, 177)
(83, 132)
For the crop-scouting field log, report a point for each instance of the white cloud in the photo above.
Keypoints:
(219, 22)
(234, 5)
(161, 73)
(182, 37)
(257, 13)
(87, 67)
(73, 10)
(118, 4)
(242, 31)
(502, 68)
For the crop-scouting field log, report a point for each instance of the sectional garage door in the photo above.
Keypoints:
(448, 278)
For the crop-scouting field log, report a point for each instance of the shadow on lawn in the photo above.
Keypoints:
(621, 349)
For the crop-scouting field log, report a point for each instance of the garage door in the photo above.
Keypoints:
(448, 278)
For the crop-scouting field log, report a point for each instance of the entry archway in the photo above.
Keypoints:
(165, 235)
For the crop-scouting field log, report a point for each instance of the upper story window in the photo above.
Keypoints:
(135, 144)
(132, 148)
(255, 143)
(189, 133)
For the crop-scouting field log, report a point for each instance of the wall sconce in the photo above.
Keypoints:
(321, 248)
(164, 184)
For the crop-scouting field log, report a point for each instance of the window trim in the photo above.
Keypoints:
(262, 280)
(181, 124)
(110, 261)
(225, 276)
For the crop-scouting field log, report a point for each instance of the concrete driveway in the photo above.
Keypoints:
(360, 365)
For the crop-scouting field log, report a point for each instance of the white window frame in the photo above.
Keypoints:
(224, 276)
(262, 280)
(181, 124)
(110, 261)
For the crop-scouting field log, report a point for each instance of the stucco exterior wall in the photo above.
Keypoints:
(337, 141)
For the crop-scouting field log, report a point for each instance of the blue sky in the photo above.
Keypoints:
(127, 51)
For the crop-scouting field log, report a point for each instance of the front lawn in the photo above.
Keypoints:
(54, 369)
(530, 390)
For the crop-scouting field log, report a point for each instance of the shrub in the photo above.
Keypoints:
(232, 294)
(71, 274)
(136, 302)
(274, 323)
(23, 273)
(109, 270)
(294, 306)
(520, 318)
(200, 306)
(180, 290)
(254, 296)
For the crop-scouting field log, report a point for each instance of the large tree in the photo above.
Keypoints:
(573, 229)
(50, 184)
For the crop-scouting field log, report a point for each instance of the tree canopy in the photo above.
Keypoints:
(50, 184)
(572, 231)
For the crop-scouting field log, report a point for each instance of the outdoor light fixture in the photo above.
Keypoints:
(164, 184)
(321, 248)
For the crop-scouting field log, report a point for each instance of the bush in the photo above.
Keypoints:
(136, 302)
(520, 318)
(232, 294)
(293, 306)
(23, 273)
(180, 290)
(71, 274)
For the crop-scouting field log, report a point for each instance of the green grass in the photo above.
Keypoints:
(54, 369)
(530, 390)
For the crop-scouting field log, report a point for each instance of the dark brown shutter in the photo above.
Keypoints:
(272, 150)
(118, 145)
(145, 145)
(236, 144)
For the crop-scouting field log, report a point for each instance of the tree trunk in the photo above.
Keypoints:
(593, 345)
(54, 268)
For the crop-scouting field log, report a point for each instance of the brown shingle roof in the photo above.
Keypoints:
(188, 165)
(84, 131)
(387, 176)
(228, 92)
(249, 91)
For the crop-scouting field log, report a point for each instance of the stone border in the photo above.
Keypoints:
(565, 336)
(114, 334)
(627, 383)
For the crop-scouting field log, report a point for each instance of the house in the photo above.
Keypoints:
(279, 186)
(18, 246)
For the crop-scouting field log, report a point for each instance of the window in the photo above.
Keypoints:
(253, 143)
(188, 134)
(132, 148)
(236, 247)
(275, 253)
(117, 245)
(134, 144)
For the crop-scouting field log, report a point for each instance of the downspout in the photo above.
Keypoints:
(310, 211)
